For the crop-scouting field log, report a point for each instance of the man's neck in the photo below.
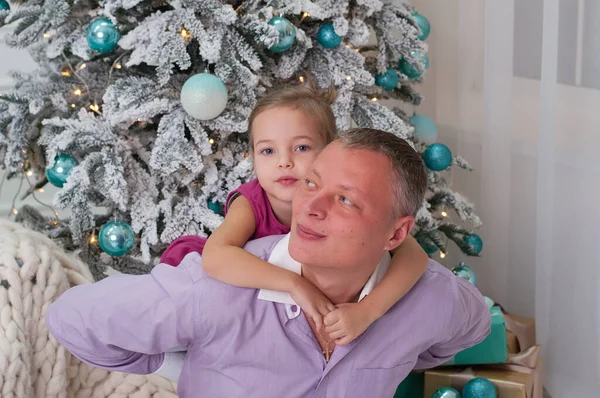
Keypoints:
(339, 286)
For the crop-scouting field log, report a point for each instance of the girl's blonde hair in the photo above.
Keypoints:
(313, 101)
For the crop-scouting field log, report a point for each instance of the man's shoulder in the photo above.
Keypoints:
(263, 247)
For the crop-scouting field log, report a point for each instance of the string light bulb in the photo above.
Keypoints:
(73, 105)
(77, 91)
(374, 99)
(211, 141)
(93, 238)
(95, 107)
(185, 34)
(444, 214)
(348, 78)
(47, 35)
(442, 254)
(40, 190)
(82, 66)
(118, 66)
(65, 71)
(15, 211)
(301, 78)
(29, 173)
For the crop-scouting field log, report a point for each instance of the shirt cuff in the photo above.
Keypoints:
(172, 365)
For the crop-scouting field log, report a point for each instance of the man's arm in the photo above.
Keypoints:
(127, 322)
(468, 325)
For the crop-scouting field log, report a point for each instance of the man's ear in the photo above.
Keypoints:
(402, 228)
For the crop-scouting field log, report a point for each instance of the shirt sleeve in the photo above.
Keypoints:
(127, 322)
(469, 324)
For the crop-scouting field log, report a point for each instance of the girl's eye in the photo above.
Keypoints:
(309, 183)
(303, 148)
(346, 201)
(267, 151)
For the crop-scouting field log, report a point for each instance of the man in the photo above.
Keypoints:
(358, 203)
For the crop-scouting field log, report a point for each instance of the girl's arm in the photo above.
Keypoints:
(409, 262)
(225, 260)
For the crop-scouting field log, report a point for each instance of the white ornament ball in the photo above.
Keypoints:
(204, 96)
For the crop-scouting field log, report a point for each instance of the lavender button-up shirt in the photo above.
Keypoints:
(241, 346)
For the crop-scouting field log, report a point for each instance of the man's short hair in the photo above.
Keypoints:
(409, 179)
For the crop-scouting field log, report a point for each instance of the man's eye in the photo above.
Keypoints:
(345, 200)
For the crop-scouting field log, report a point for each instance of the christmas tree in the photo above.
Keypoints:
(140, 108)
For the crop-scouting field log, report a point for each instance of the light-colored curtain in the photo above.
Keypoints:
(514, 88)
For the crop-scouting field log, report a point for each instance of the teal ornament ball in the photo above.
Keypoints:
(479, 388)
(428, 245)
(63, 166)
(423, 25)
(410, 70)
(102, 35)
(446, 392)
(4, 5)
(464, 271)
(474, 242)
(214, 206)
(327, 37)
(388, 80)
(116, 238)
(287, 34)
(437, 157)
(425, 129)
(204, 96)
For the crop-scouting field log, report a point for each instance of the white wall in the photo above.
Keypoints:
(15, 59)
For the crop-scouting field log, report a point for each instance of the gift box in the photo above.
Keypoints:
(511, 380)
(412, 386)
(512, 342)
(493, 349)
(522, 328)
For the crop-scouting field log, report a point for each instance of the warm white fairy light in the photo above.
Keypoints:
(442, 254)
(444, 214)
(77, 91)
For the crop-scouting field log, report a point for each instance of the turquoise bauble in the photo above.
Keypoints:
(474, 242)
(287, 34)
(4, 5)
(479, 388)
(428, 245)
(464, 271)
(204, 96)
(63, 166)
(214, 206)
(437, 157)
(409, 70)
(388, 80)
(425, 129)
(102, 35)
(423, 24)
(116, 238)
(446, 392)
(327, 37)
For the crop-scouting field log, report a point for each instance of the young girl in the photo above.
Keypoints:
(287, 130)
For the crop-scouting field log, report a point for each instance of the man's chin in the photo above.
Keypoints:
(300, 250)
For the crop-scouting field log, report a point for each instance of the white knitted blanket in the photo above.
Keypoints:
(34, 271)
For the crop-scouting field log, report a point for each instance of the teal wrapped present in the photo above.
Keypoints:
(493, 349)
(412, 386)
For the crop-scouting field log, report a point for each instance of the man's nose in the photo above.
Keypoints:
(316, 206)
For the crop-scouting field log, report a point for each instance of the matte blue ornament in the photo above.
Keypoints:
(408, 69)
(423, 25)
(464, 271)
(474, 242)
(388, 80)
(204, 96)
(116, 238)
(214, 206)
(425, 129)
(63, 166)
(102, 35)
(287, 34)
(479, 388)
(437, 157)
(4, 5)
(327, 37)
(446, 392)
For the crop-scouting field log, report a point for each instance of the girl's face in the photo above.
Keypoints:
(286, 142)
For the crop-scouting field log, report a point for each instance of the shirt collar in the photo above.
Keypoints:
(280, 257)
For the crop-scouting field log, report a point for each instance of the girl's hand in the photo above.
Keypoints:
(312, 301)
(347, 322)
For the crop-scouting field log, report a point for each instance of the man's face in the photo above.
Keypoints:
(341, 213)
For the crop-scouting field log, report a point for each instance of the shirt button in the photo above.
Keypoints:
(294, 308)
